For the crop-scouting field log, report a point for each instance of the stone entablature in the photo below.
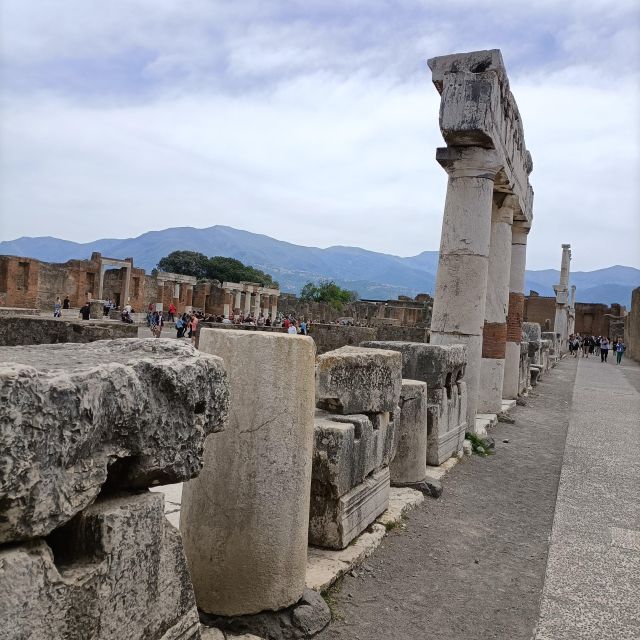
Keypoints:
(479, 110)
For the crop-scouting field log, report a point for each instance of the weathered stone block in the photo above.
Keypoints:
(336, 521)
(447, 422)
(348, 448)
(20, 330)
(117, 570)
(357, 380)
(409, 464)
(130, 413)
(437, 365)
(245, 519)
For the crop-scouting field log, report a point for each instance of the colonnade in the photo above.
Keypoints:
(248, 298)
(479, 293)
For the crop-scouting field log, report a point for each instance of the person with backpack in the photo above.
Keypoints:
(604, 348)
(620, 348)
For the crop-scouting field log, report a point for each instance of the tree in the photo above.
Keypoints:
(220, 268)
(188, 263)
(327, 291)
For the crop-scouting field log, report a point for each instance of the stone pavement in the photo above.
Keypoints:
(592, 582)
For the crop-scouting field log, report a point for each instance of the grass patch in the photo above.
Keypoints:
(395, 524)
(330, 597)
(479, 445)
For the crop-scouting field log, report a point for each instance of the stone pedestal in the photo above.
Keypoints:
(245, 519)
(409, 464)
(511, 383)
(461, 285)
(443, 370)
(494, 339)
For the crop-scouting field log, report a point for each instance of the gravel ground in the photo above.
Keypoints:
(470, 565)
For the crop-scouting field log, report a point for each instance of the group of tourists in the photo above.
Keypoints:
(597, 346)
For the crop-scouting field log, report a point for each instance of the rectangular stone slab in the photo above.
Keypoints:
(356, 380)
(437, 365)
(447, 422)
(117, 570)
(73, 417)
(335, 522)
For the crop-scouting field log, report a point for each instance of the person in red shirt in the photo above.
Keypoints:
(172, 312)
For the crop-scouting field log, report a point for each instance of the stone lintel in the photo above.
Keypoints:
(478, 109)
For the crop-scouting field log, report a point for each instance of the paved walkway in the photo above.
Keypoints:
(473, 565)
(592, 582)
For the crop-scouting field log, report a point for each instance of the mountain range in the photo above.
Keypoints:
(373, 275)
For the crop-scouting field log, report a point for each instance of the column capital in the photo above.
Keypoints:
(469, 162)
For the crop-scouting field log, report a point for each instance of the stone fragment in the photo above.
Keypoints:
(357, 380)
(127, 413)
(467, 447)
(22, 330)
(409, 464)
(335, 521)
(245, 519)
(117, 570)
(437, 365)
(304, 619)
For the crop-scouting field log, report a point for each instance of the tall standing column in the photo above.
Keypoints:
(561, 323)
(274, 308)
(227, 303)
(238, 302)
(494, 339)
(572, 311)
(256, 304)
(247, 301)
(461, 283)
(510, 387)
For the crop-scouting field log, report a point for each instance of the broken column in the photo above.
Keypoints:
(245, 519)
(571, 329)
(85, 550)
(511, 385)
(442, 368)
(494, 337)
(561, 323)
(532, 334)
(357, 393)
(485, 155)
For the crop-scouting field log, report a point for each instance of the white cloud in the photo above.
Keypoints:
(313, 122)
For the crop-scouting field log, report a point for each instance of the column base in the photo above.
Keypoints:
(491, 383)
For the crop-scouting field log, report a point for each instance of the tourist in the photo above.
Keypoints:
(57, 308)
(592, 344)
(179, 327)
(267, 322)
(604, 348)
(596, 345)
(85, 311)
(193, 325)
(226, 320)
(586, 343)
(172, 312)
(287, 323)
(158, 323)
(303, 327)
(620, 348)
(576, 346)
(292, 330)
(571, 344)
(66, 304)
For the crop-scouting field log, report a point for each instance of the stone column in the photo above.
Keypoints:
(494, 339)
(511, 386)
(227, 303)
(461, 282)
(247, 301)
(238, 302)
(245, 519)
(572, 311)
(274, 308)
(125, 285)
(561, 323)
(256, 304)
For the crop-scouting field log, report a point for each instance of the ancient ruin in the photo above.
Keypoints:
(488, 191)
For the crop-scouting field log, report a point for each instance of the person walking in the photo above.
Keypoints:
(193, 325)
(585, 346)
(57, 308)
(172, 312)
(604, 348)
(179, 327)
(85, 311)
(620, 349)
(66, 304)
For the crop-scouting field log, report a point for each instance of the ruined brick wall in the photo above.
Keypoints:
(405, 334)
(632, 326)
(540, 309)
(333, 336)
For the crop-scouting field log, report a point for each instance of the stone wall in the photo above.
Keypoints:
(632, 326)
(591, 318)
(19, 330)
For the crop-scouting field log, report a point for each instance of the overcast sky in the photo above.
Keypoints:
(312, 121)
